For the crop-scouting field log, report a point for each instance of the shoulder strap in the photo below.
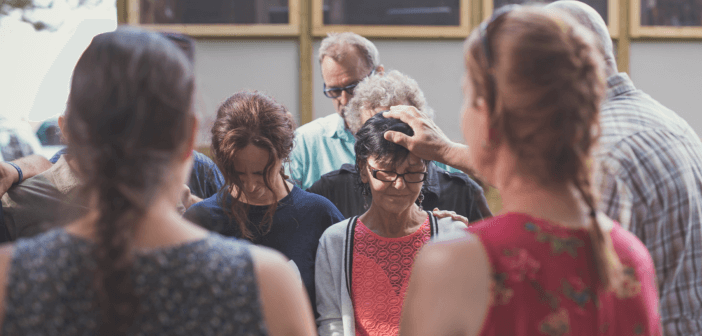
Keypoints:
(348, 250)
(433, 225)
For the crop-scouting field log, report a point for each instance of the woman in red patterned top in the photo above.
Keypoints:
(363, 263)
(549, 264)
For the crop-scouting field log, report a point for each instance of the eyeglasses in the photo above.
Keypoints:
(335, 92)
(391, 176)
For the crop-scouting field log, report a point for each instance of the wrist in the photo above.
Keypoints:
(11, 173)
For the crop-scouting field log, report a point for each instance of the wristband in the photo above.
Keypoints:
(19, 172)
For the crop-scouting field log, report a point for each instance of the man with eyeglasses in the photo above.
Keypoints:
(324, 144)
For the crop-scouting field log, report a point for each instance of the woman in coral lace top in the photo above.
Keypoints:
(549, 264)
(363, 263)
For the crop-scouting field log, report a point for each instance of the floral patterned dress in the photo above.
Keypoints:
(544, 281)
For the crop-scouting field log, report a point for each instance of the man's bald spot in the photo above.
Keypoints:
(590, 19)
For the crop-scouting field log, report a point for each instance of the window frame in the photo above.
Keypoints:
(319, 29)
(223, 30)
(637, 30)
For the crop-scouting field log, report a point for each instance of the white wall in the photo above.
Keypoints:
(224, 67)
(437, 65)
(671, 72)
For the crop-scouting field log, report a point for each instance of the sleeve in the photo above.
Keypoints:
(296, 169)
(328, 294)
(616, 198)
(479, 208)
(195, 214)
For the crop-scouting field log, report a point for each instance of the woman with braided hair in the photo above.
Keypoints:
(133, 265)
(549, 264)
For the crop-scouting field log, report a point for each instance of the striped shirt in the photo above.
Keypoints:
(649, 177)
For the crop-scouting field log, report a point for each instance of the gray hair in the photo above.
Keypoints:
(336, 46)
(379, 90)
(589, 18)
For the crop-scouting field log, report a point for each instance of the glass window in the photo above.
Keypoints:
(392, 12)
(213, 12)
(676, 13)
(601, 6)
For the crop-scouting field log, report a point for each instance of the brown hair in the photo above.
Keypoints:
(251, 118)
(543, 86)
(129, 117)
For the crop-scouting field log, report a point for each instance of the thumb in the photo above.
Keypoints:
(398, 138)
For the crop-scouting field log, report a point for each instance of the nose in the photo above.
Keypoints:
(344, 98)
(249, 185)
(399, 183)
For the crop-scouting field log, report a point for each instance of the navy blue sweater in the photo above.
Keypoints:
(298, 223)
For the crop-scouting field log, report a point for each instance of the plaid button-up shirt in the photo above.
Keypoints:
(649, 176)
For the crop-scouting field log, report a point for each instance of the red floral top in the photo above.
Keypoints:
(544, 276)
(380, 275)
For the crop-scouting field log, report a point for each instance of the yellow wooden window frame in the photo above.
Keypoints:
(612, 13)
(637, 30)
(223, 30)
(319, 29)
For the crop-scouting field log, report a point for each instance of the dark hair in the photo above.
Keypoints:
(251, 118)
(129, 116)
(543, 93)
(370, 142)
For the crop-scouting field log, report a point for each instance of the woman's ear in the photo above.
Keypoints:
(363, 173)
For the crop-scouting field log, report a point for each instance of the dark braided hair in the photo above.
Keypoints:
(553, 72)
(129, 117)
(251, 118)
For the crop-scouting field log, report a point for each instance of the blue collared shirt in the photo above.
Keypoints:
(322, 146)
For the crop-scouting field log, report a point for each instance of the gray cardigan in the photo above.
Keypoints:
(333, 300)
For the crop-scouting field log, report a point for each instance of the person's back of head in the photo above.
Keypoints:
(129, 118)
(383, 90)
(540, 77)
(251, 118)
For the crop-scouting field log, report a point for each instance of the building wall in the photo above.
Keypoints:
(670, 72)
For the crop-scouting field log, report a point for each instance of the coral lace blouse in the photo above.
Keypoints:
(381, 273)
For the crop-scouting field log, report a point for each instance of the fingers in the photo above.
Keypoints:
(403, 112)
(398, 138)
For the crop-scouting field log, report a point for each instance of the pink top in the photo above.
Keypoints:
(381, 273)
(544, 276)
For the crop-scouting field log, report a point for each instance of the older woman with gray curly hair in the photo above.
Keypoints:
(378, 92)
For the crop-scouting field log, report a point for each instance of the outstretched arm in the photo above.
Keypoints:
(31, 166)
(428, 142)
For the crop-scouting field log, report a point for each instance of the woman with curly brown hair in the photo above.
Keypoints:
(251, 139)
(132, 265)
(549, 264)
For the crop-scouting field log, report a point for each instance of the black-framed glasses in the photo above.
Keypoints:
(484, 27)
(391, 176)
(335, 92)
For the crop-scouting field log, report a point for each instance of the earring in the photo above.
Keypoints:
(420, 199)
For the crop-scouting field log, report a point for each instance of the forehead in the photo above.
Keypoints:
(250, 159)
(345, 71)
(384, 163)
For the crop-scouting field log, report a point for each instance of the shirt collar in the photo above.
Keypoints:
(432, 182)
(337, 129)
(62, 176)
(619, 84)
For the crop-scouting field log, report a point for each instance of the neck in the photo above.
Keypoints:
(560, 204)
(393, 225)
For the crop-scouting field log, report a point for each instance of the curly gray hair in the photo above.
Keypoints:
(384, 90)
(335, 45)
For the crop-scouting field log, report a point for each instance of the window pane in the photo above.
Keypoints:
(214, 11)
(676, 13)
(599, 5)
(392, 12)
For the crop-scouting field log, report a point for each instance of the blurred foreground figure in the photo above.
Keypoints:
(132, 265)
(550, 264)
